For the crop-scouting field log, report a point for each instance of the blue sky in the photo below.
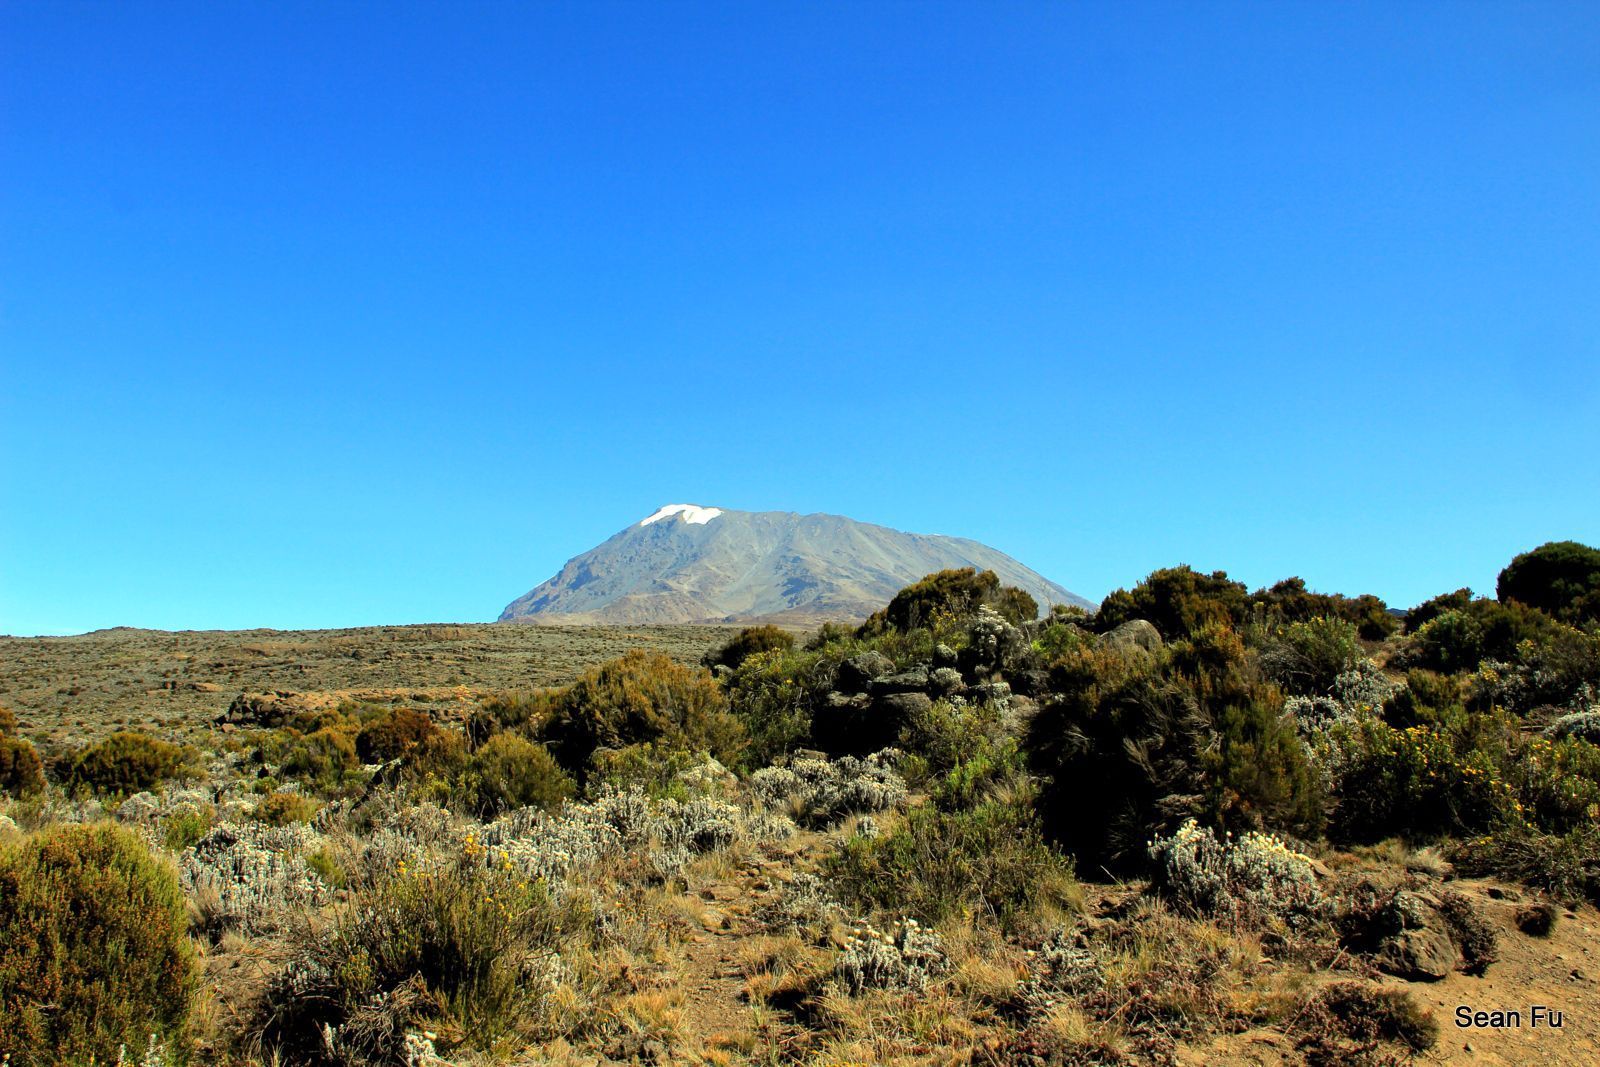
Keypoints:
(326, 314)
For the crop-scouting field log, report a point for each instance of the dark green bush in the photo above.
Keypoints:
(1177, 601)
(1561, 578)
(748, 642)
(1460, 639)
(129, 762)
(21, 771)
(649, 768)
(950, 595)
(394, 734)
(512, 772)
(987, 860)
(94, 951)
(1304, 657)
(326, 758)
(642, 697)
(1290, 601)
(1428, 610)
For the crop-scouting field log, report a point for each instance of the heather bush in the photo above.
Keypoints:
(8, 722)
(512, 772)
(1459, 639)
(129, 762)
(639, 698)
(394, 734)
(1567, 866)
(1415, 783)
(94, 952)
(1561, 578)
(1289, 601)
(21, 771)
(1248, 879)
(748, 642)
(1557, 782)
(1178, 601)
(950, 595)
(774, 697)
(990, 860)
(1306, 657)
(281, 809)
(461, 949)
(326, 757)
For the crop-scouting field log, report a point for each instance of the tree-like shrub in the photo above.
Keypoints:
(641, 697)
(747, 643)
(1177, 601)
(1431, 609)
(21, 771)
(94, 952)
(1460, 639)
(774, 697)
(326, 757)
(512, 772)
(129, 762)
(394, 734)
(1290, 601)
(1561, 578)
(950, 595)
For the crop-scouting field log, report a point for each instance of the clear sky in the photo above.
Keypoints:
(327, 314)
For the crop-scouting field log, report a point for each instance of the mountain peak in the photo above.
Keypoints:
(693, 514)
(749, 566)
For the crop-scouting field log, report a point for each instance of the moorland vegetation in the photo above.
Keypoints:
(955, 833)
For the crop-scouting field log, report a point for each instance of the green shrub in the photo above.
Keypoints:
(1561, 578)
(988, 860)
(21, 771)
(1557, 782)
(94, 952)
(1428, 610)
(642, 697)
(1416, 783)
(748, 642)
(8, 721)
(326, 757)
(1460, 639)
(394, 734)
(462, 950)
(1567, 866)
(1259, 773)
(1177, 601)
(950, 595)
(649, 768)
(185, 826)
(773, 695)
(1305, 657)
(512, 772)
(281, 809)
(129, 763)
(1290, 601)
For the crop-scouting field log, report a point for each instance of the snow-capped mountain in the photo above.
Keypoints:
(687, 563)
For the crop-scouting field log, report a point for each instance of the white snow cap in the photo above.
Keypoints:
(692, 513)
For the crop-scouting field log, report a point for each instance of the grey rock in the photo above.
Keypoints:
(944, 655)
(912, 681)
(855, 673)
(1421, 949)
(995, 692)
(1030, 683)
(899, 708)
(1134, 634)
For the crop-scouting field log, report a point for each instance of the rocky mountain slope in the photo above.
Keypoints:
(687, 563)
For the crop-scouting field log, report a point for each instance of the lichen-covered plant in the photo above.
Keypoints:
(821, 791)
(1243, 879)
(904, 958)
(249, 876)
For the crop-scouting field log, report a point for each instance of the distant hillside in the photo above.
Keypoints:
(698, 564)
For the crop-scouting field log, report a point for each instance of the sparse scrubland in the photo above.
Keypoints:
(1204, 825)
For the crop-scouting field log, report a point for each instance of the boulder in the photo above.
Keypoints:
(1135, 634)
(894, 710)
(912, 681)
(855, 673)
(945, 681)
(945, 656)
(1030, 683)
(1421, 949)
(995, 692)
(267, 710)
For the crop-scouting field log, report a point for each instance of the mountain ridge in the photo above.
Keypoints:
(691, 564)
